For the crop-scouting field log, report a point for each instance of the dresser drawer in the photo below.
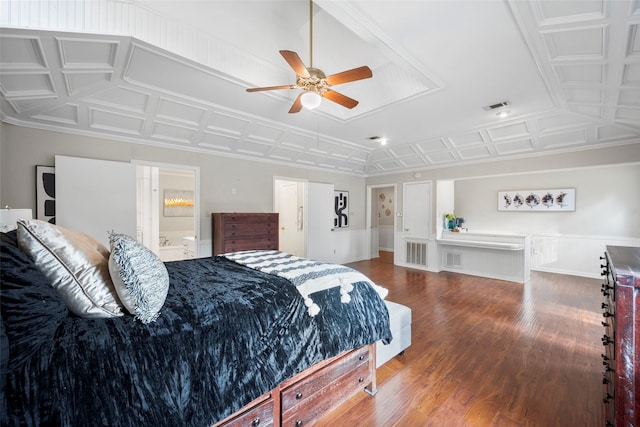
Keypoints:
(244, 218)
(306, 400)
(250, 229)
(246, 244)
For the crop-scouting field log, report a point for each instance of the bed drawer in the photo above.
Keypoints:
(258, 416)
(305, 401)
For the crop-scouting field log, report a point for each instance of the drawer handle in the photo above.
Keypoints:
(298, 395)
(361, 357)
(605, 324)
(605, 380)
(361, 379)
(607, 398)
(298, 423)
(607, 314)
(255, 422)
(606, 340)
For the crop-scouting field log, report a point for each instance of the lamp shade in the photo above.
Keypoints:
(9, 218)
(310, 100)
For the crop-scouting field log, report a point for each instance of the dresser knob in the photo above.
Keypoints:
(608, 368)
(361, 357)
(605, 359)
(298, 395)
(608, 423)
(606, 340)
(605, 324)
(361, 379)
(607, 314)
(255, 422)
(605, 381)
(604, 305)
(607, 397)
(298, 423)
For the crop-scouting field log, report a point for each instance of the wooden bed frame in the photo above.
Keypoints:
(304, 398)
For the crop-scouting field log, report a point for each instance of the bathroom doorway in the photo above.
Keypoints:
(168, 216)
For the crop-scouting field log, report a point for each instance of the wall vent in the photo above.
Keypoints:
(454, 260)
(417, 253)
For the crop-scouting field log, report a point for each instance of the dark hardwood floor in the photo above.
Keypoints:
(487, 353)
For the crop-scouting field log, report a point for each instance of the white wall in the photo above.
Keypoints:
(227, 184)
(607, 202)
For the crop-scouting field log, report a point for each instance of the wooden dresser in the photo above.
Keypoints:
(621, 319)
(232, 232)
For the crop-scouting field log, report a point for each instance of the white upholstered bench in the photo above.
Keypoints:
(400, 319)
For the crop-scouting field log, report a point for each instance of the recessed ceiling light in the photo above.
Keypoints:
(382, 140)
(504, 113)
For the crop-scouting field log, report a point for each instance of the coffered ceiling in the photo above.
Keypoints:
(175, 74)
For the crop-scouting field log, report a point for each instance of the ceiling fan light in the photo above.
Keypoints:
(310, 100)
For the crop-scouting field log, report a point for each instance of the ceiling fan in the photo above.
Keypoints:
(315, 84)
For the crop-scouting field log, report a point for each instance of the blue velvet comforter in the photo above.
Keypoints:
(226, 335)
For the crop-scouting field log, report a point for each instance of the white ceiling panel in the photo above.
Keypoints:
(175, 73)
(514, 147)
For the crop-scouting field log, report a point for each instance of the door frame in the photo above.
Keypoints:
(369, 212)
(196, 191)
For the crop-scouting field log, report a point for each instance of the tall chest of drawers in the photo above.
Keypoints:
(232, 232)
(621, 320)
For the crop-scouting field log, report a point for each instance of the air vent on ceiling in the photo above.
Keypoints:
(498, 105)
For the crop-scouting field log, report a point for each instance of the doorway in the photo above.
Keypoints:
(289, 203)
(168, 215)
(381, 218)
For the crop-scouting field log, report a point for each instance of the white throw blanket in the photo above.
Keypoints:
(307, 275)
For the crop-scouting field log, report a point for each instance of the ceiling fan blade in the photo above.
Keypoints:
(295, 62)
(349, 75)
(339, 98)
(297, 104)
(259, 89)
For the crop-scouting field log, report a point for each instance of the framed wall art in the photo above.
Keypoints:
(46, 193)
(341, 209)
(557, 200)
(178, 203)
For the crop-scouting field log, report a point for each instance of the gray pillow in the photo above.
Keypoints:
(140, 277)
(76, 264)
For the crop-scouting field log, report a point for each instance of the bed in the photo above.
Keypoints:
(227, 339)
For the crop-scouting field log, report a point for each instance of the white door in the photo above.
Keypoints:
(417, 210)
(96, 196)
(319, 223)
(287, 207)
